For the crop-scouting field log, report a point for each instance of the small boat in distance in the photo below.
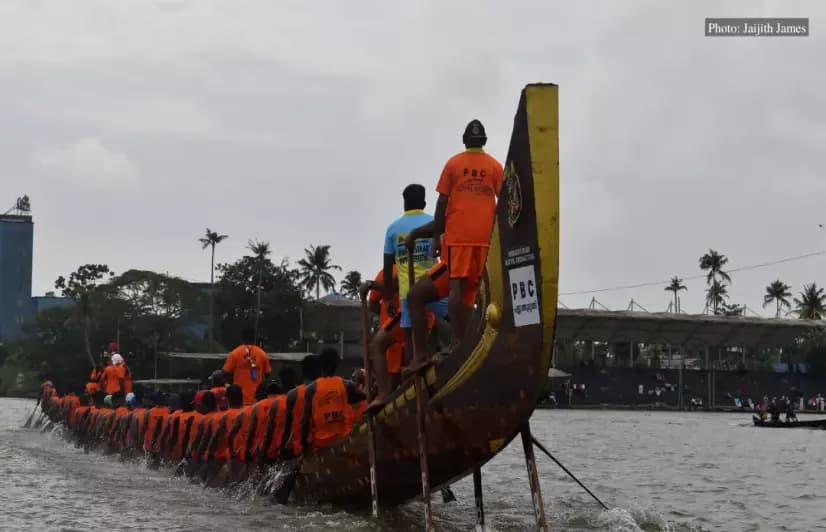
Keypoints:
(807, 424)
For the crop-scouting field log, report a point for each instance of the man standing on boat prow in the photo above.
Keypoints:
(468, 188)
(248, 366)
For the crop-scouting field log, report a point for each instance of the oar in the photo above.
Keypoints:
(368, 386)
(31, 416)
(548, 453)
(421, 428)
(289, 470)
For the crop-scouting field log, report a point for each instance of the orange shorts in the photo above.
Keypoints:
(395, 353)
(460, 262)
(395, 357)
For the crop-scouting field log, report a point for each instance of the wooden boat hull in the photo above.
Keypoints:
(806, 424)
(480, 395)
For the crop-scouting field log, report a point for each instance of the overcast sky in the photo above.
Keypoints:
(135, 125)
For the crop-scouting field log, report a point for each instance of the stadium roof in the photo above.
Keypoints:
(680, 329)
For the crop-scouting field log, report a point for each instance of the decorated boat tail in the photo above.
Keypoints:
(476, 399)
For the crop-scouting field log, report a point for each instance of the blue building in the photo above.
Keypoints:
(16, 239)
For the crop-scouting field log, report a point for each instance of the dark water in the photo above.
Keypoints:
(658, 471)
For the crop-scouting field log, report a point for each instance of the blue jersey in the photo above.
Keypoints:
(394, 240)
(423, 258)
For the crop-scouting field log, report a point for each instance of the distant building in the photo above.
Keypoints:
(16, 239)
(333, 321)
(41, 303)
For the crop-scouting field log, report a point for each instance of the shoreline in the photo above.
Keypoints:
(665, 408)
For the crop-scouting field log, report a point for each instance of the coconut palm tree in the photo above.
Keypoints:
(261, 252)
(350, 284)
(315, 270)
(210, 240)
(777, 292)
(812, 303)
(716, 295)
(714, 263)
(675, 286)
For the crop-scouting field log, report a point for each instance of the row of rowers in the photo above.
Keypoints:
(449, 252)
(211, 428)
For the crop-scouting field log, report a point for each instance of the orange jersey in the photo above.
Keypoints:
(156, 416)
(93, 386)
(111, 378)
(239, 443)
(279, 421)
(259, 414)
(76, 416)
(223, 423)
(378, 296)
(330, 412)
(298, 412)
(472, 180)
(240, 363)
(120, 414)
(186, 425)
(134, 428)
(167, 432)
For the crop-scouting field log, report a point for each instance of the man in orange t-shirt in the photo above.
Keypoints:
(468, 188)
(248, 365)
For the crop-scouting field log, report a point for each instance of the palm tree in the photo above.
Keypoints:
(350, 284)
(315, 269)
(777, 292)
(714, 262)
(812, 303)
(675, 286)
(716, 295)
(261, 252)
(210, 240)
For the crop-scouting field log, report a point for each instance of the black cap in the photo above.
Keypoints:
(474, 134)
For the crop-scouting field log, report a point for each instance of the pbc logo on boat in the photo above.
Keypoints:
(513, 194)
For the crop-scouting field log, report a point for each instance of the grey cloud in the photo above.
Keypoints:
(300, 123)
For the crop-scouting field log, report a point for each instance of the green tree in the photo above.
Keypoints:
(55, 343)
(157, 311)
(281, 300)
(85, 287)
(714, 263)
(210, 240)
(315, 270)
(811, 305)
(716, 296)
(350, 284)
(779, 293)
(675, 286)
(261, 252)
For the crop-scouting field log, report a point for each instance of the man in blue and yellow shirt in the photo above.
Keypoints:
(395, 255)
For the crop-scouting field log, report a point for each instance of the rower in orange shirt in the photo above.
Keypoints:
(468, 188)
(290, 445)
(327, 408)
(113, 379)
(248, 365)
(387, 346)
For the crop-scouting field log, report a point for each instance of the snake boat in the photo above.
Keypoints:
(477, 398)
(482, 394)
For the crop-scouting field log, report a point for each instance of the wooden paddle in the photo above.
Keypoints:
(420, 414)
(368, 385)
(31, 416)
